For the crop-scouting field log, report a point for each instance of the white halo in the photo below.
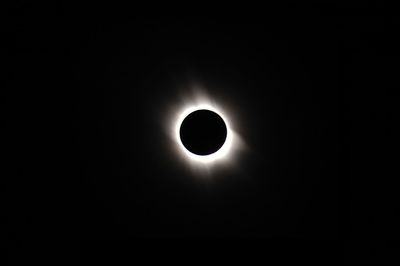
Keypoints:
(222, 152)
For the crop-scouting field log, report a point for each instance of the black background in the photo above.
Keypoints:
(303, 83)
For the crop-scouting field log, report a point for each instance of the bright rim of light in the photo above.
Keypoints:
(222, 152)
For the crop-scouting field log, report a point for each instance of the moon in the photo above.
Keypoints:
(203, 132)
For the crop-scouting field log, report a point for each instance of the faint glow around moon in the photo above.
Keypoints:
(222, 153)
(193, 98)
(197, 99)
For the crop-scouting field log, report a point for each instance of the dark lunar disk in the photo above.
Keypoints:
(203, 132)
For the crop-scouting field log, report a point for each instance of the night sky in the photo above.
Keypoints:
(89, 97)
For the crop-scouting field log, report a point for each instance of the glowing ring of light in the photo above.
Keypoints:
(219, 154)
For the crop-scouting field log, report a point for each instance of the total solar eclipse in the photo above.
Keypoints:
(203, 132)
